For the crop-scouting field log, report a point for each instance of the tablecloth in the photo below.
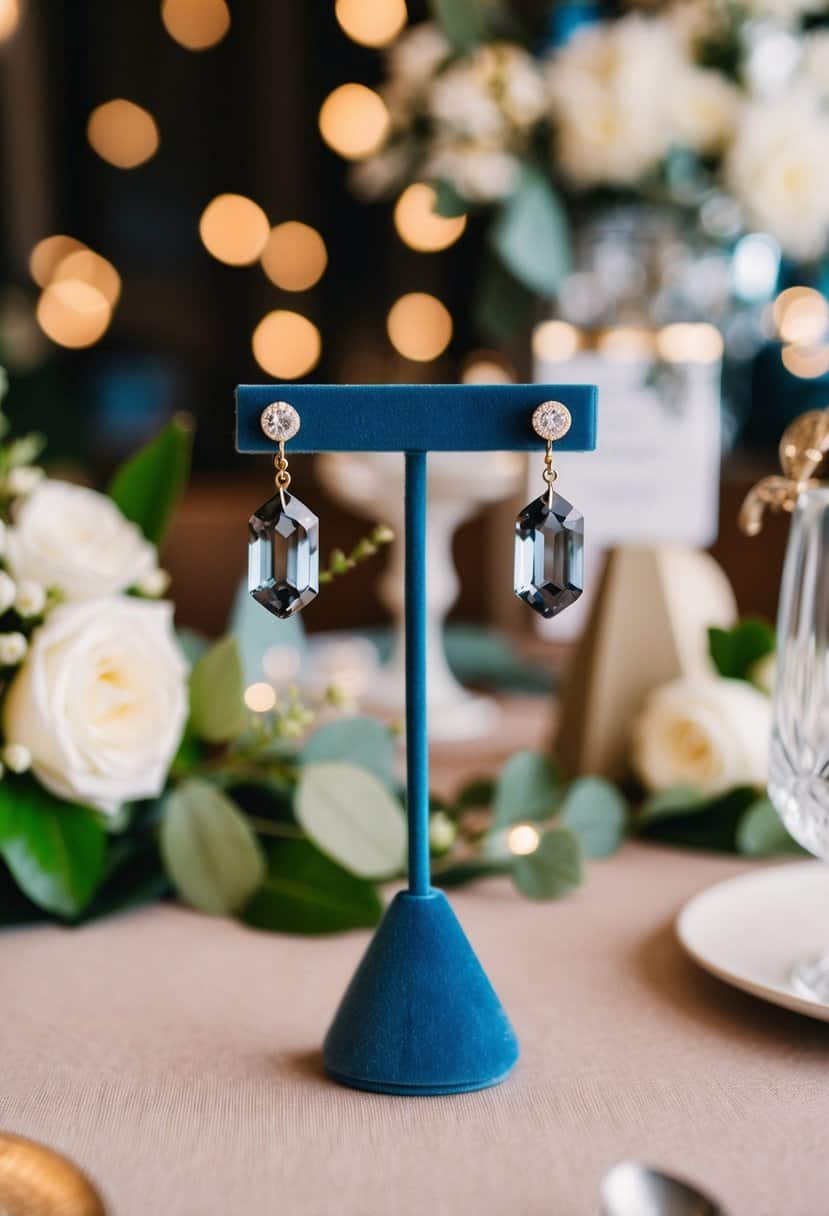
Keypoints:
(176, 1059)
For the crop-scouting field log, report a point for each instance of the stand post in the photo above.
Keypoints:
(417, 744)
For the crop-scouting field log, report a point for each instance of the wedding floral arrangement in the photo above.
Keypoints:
(716, 108)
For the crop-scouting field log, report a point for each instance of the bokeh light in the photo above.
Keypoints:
(122, 133)
(234, 229)
(294, 257)
(419, 326)
(523, 839)
(73, 313)
(196, 24)
(48, 254)
(688, 343)
(801, 315)
(9, 18)
(353, 121)
(88, 267)
(806, 362)
(555, 341)
(626, 344)
(487, 367)
(372, 22)
(260, 698)
(286, 344)
(419, 226)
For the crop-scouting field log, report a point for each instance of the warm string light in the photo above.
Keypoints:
(801, 315)
(806, 362)
(260, 698)
(523, 839)
(418, 224)
(234, 229)
(48, 254)
(353, 121)
(487, 367)
(294, 257)
(196, 25)
(555, 341)
(286, 344)
(91, 268)
(122, 133)
(419, 327)
(9, 18)
(687, 343)
(80, 291)
(371, 22)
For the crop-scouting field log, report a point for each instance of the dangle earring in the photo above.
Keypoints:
(283, 535)
(549, 532)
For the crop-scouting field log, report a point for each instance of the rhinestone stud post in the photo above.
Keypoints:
(551, 420)
(279, 421)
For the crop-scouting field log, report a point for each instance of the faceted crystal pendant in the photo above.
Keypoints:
(283, 555)
(549, 555)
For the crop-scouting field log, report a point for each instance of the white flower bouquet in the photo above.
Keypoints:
(715, 108)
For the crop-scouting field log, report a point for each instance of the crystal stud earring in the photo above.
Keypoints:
(549, 532)
(283, 534)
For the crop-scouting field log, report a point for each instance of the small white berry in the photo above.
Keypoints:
(13, 647)
(442, 832)
(8, 591)
(23, 480)
(17, 757)
(30, 599)
(154, 583)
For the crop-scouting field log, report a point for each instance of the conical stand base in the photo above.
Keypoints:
(420, 1015)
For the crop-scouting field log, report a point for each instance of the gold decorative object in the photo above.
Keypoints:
(802, 448)
(35, 1181)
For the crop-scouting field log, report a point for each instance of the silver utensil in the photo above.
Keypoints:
(633, 1189)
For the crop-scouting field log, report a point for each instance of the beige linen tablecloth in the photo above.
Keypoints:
(176, 1059)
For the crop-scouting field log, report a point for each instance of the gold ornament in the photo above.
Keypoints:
(802, 448)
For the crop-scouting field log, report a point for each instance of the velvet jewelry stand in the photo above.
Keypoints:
(420, 1015)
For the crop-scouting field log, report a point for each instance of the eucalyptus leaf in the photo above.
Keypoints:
(503, 305)
(761, 832)
(735, 651)
(596, 811)
(448, 202)
(464, 22)
(478, 793)
(360, 741)
(217, 708)
(149, 485)
(212, 856)
(54, 849)
(709, 823)
(306, 892)
(351, 816)
(669, 803)
(531, 234)
(527, 788)
(553, 869)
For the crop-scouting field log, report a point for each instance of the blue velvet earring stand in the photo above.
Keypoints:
(420, 1015)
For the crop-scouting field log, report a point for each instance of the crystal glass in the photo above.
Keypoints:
(799, 755)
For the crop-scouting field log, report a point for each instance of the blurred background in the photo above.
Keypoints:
(198, 193)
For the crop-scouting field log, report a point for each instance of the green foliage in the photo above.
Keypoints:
(364, 742)
(211, 854)
(735, 651)
(502, 304)
(149, 485)
(448, 202)
(761, 833)
(530, 234)
(306, 892)
(54, 849)
(596, 812)
(464, 22)
(698, 822)
(554, 869)
(477, 793)
(352, 817)
(217, 708)
(527, 789)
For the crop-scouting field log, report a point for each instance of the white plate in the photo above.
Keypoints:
(751, 930)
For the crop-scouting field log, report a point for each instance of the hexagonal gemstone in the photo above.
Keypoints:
(283, 555)
(549, 555)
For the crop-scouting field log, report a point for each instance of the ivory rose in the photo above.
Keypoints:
(101, 701)
(707, 733)
(77, 540)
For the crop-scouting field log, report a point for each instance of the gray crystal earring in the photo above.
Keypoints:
(549, 532)
(283, 535)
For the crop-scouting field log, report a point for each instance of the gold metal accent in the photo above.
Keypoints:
(550, 474)
(802, 448)
(35, 1181)
(283, 477)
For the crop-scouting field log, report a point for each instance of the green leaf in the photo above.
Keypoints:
(531, 235)
(596, 811)
(306, 892)
(464, 22)
(209, 851)
(667, 804)
(735, 651)
(360, 741)
(54, 849)
(479, 793)
(553, 869)
(709, 823)
(352, 817)
(527, 788)
(148, 486)
(761, 832)
(447, 200)
(217, 707)
(502, 304)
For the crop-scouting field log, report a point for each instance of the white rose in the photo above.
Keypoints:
(101, 701)
(30, 599)
(708, 733)
(489, 94)
(479, 174)
(77, 540)
(763, 673)
(415, 56)
(8, 591)
(13, 647)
